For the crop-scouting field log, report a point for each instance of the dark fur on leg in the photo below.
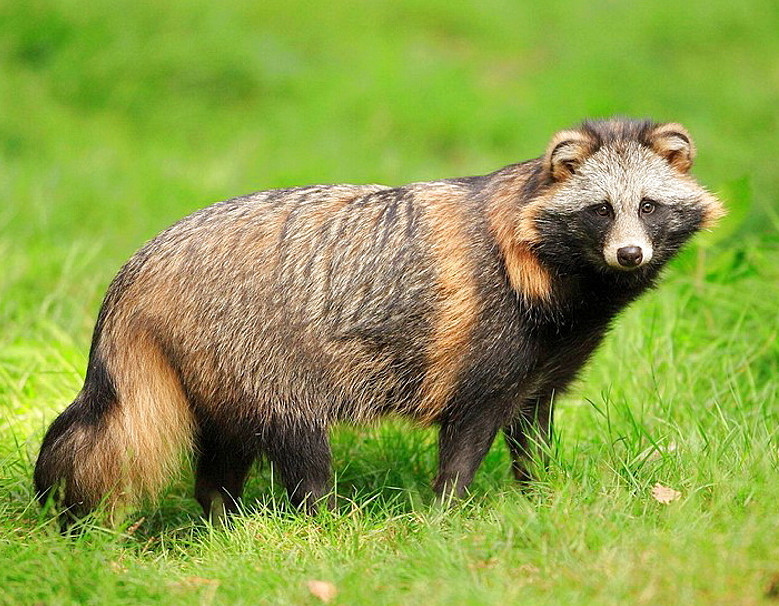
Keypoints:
(463, 442)
(301, 454)
(220, 477)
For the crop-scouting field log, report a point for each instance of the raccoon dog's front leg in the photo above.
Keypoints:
(301, 454)
(463, 442)
(532, 424)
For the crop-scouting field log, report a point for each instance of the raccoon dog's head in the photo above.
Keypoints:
(620, 197)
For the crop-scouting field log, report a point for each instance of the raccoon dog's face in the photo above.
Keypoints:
(622, 198)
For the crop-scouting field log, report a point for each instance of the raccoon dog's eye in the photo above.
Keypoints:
(648, 207)
(602, 210)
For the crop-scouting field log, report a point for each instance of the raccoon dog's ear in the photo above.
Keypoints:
(567, 150)
(672, 142)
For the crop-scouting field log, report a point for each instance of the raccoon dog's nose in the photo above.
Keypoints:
(629, 256)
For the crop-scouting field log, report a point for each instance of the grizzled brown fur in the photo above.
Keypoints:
(250, 327)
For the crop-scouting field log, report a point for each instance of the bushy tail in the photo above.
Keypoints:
(123, 437)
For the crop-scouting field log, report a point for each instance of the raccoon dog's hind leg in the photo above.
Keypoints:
(123, 437)
(220, 474)
(300, 451)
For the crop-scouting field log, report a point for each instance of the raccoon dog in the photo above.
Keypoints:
(250, 327)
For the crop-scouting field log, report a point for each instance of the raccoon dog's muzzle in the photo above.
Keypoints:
(628, 246)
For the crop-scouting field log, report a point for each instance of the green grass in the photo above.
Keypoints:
(118, 118)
